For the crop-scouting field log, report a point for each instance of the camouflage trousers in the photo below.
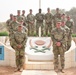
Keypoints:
(20, 59)
(37, 28)
(30, 29)
(48, 27)
(69, 43)
(58, 51)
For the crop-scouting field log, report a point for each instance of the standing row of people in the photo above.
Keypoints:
(47, 22)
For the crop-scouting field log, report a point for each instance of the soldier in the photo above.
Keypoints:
(9, 21)
(68, 44)
(63, 17)
(13, 27)
(24, 27)
(39, 22)
(69, 24)
(19, 17)
(58, 38)
(57, 16)
(23, 13)
(48, 21)
(24, 18)
(30, 21)
(18, 43)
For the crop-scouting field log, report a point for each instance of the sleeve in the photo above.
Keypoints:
(43, 16)
(27, 18)
(13, 42)
(63, 41)
(52, 36)
(25, 40)
(36, 16)
(26, 30)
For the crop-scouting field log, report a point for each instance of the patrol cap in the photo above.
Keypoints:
(58, 22)
(18, 10)
(57, 8)
(19, 26)
(11, 14)
(48, 8)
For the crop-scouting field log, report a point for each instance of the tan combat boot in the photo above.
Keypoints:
(17, 69)
(56, 69)
(21, 69)
(62, 70)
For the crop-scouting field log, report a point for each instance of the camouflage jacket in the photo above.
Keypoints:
(13, 27)
(48, 18)
(57, 16)
(68, 34)
(19, 18)
(58, 35)
(69, 24)
(24, 20)
(19, 38)
(30, 18)
(8, 22)
(39, 17)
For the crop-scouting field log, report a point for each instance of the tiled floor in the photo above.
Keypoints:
(36, 72)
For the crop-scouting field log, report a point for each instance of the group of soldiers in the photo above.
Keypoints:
(59, 26)
(32, 22)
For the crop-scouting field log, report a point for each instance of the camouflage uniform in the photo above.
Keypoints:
(69, 24)
(63, 18)
(19, 38)
(57, 16)
(30, 21)
(13, 27)
(48, 22)
(24, 20)
(19, 18)
(8, 22)
(67, 37)
(58, 35)
(24, 28)
(39, 22)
